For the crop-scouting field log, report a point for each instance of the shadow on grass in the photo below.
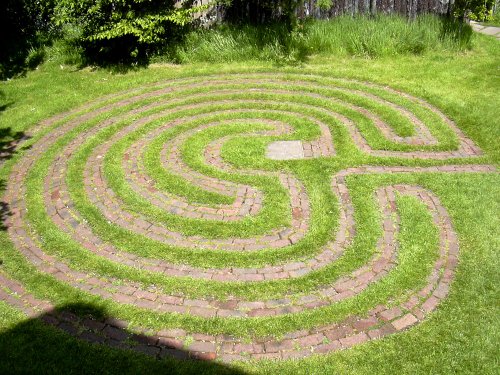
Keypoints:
(27, 29)
(456, 30)
(34, 346)
(17, 59)
(121, 67)
(115, 56)
(9, 143)
(81, 338)
(4, 211)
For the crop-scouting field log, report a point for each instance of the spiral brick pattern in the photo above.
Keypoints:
(157, 122)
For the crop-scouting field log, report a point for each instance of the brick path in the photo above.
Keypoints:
(248, 203)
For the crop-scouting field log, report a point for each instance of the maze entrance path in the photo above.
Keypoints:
(136, 199)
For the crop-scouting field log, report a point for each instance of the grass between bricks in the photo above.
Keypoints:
(409, 274)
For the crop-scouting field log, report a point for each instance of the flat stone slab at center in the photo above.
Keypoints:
(285, 150)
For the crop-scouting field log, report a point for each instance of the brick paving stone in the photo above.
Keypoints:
(311, 340)
(115, 333)
(390, 313)
(95, 325)
(364, 324)
(203, 356)
(329, 347)
(68, 328)
(169, 342)
(202, 346)
(175, 332)
(277, 346)
(430, 304)
(384, 330)
(354, 340)
(338, 333)
(404, 322)
(119, 323)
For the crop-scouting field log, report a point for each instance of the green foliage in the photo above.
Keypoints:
(126, 28)
(477, 10)
(238, 43)
(324, 4)
(494, 19)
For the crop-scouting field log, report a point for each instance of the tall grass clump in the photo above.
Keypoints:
(386, 36)
(66, 50)
(228, 43)
(364, 36)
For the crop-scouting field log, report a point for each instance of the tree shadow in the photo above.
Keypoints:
(4, 103)
(4, 211)
(82, 338)
(9, 145)
(456, 30)
(27, 29)
(4, 106)
(42, 345)
(113, 56)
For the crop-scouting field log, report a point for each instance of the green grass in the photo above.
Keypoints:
(460, 337)
(343, 36)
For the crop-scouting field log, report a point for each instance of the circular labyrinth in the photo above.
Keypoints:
(217, 216)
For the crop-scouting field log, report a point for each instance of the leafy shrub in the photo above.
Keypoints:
(478, 10)
(127, 29)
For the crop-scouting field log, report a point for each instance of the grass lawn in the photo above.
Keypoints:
(161, 139)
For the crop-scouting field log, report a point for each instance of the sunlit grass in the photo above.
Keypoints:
(460, 337)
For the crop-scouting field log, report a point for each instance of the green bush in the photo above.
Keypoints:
(477, 10)
(127, 29)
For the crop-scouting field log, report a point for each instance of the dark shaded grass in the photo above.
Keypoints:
(31, 347)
